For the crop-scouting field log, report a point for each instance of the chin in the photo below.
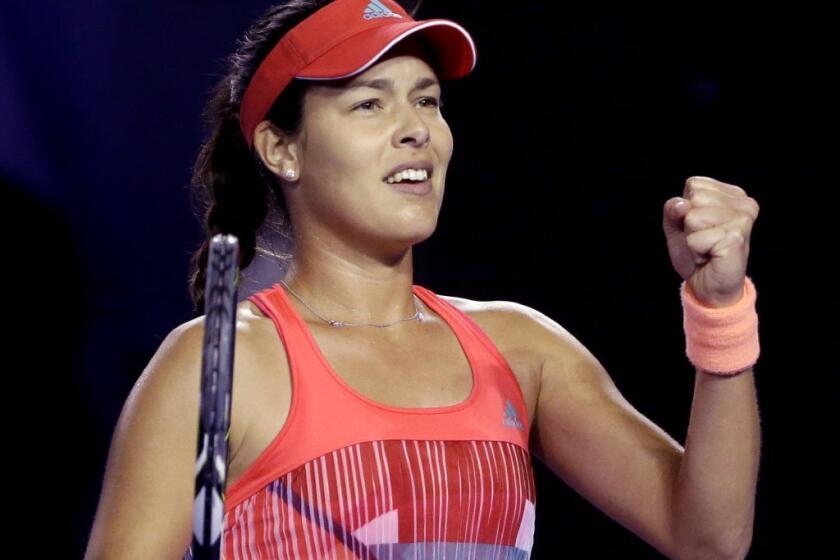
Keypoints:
(415, 236)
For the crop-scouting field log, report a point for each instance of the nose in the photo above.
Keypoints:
(412, 128)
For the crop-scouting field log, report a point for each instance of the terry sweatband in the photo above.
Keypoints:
(724, 340)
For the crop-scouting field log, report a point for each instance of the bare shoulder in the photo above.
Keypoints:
(248, 318)
(184, 345)
(485, 310)
(496, 318)
(526, 338)
(250, 324)
(145, 506)
(530, 338)
(532, 329)
(255, 338)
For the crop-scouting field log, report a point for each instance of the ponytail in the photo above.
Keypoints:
(231, 190)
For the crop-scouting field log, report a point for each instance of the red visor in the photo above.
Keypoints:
(342, 39)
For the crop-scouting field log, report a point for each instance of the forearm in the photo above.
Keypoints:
(714, 494)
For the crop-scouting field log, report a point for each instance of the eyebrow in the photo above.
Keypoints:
(381, 83)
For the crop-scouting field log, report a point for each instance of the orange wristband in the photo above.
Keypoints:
(724, 340)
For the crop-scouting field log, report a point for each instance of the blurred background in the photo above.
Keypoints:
(578, 123)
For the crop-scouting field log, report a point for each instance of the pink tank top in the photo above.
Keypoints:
(349, 477)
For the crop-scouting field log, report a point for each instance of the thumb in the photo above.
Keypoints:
(673, 215)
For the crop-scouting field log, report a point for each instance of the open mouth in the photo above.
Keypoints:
(414, 187)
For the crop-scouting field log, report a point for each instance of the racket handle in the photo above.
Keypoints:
(216, 393)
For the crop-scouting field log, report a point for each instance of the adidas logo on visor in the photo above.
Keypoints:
(376, 9)
(511, 418)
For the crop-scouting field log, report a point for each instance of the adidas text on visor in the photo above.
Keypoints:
(342, 39)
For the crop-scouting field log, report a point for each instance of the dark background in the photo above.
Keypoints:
(576, 126)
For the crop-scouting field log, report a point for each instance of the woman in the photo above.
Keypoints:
(372, 417)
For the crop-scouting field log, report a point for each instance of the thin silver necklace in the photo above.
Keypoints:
(417, 315)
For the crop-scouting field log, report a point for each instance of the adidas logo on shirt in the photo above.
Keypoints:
(376, 9)
(511, 419)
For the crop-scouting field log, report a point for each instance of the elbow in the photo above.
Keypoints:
(740, 551)
(738, 547)
(733, 544)
(735, 550)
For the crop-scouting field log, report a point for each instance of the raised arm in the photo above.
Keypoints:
(590, 436)
(691, 502)
(687, 502)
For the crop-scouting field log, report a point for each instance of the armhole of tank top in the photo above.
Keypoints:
(488, 343)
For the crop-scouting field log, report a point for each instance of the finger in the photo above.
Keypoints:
(673, 214)
(705, 194)
(700, 181)
(712, 216)
(704, 217)
(710, 190)
(708, 194)
(715, 241)
(702, 196)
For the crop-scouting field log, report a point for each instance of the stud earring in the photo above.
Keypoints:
(290, 173)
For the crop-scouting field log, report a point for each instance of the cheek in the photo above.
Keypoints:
(443, 146)
(334, 157)
(444, 141)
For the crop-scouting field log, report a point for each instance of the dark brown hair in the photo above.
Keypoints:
(231, 190)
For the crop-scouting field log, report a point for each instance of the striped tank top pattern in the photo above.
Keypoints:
(349, 477)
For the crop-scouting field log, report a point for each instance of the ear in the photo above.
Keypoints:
(277, 150)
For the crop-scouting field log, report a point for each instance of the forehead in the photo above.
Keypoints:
(413, 45)
(396, 74)
(408, 61)
(395, 71)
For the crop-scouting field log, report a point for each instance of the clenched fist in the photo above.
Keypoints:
(708, 235)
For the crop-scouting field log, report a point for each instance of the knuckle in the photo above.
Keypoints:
(694, 221)
(744, 219)
(749, 207)
(700, 197)
(739, 236)
(738, 190)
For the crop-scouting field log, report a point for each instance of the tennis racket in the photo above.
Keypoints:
(214, 408)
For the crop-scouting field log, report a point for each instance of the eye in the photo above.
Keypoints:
(434, 101)
(364, 104)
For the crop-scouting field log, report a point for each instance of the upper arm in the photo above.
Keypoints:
(146, 504)
(145, 507)
(597, 442)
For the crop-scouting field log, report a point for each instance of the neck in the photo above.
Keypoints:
(354, 294)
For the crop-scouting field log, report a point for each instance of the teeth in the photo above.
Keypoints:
(412, 174)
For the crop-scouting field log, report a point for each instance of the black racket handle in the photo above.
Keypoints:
(216, 392)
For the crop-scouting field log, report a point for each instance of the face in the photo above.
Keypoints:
(351, 138)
